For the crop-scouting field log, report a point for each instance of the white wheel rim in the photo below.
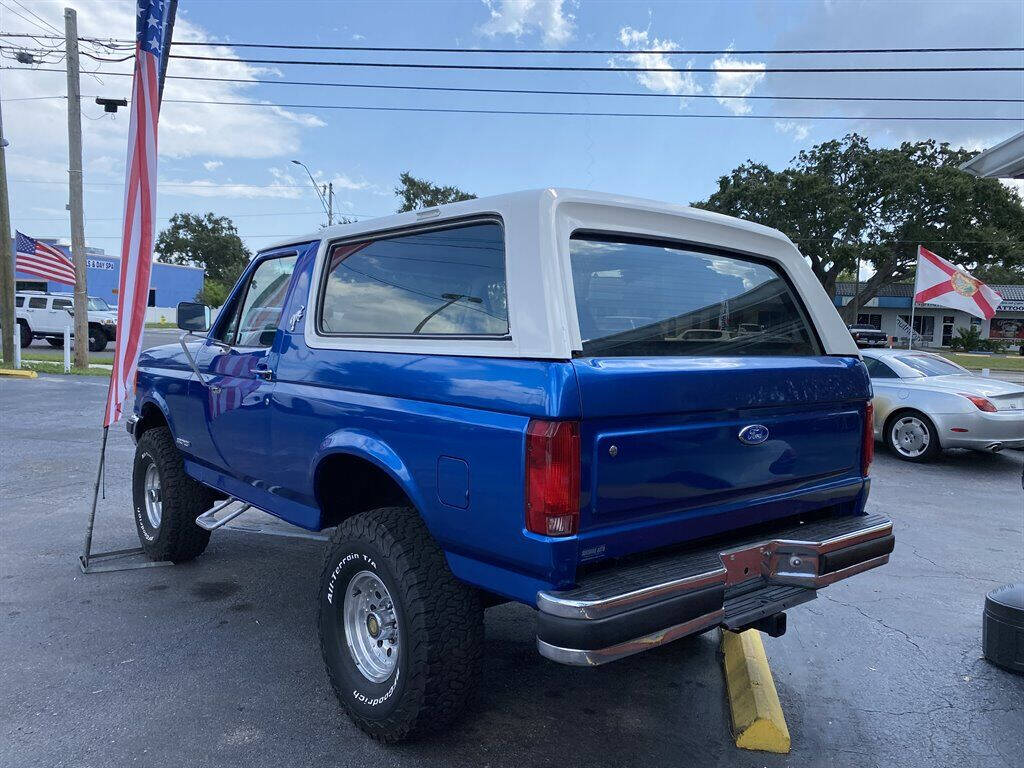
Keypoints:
(371, 626)
(910, 437)
(154, 496)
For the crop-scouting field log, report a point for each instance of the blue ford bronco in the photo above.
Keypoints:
(642, 420)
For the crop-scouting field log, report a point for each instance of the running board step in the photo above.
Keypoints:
(209, 520)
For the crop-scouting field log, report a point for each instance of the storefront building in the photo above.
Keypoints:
(936, 326)
(169, 283)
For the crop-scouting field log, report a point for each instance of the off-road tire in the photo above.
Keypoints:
(177, 538)
(25, 337)
(934, 446)
(440, 622)
(97, 339)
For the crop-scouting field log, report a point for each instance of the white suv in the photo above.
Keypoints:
(45, 315)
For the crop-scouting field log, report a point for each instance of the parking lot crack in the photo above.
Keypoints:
(877, 620)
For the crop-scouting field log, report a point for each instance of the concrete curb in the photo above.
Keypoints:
(23, 373)
(757, 719)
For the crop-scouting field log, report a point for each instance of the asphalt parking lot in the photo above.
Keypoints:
(216, 663)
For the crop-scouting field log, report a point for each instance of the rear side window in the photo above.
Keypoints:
(879, 370)
(429, 283)
(37, 302)
(639, 298)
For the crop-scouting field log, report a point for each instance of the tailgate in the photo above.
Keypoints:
(675, 449)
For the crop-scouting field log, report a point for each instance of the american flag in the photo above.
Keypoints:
(139, 202)
(42, 260)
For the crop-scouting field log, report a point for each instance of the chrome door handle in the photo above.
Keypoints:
(264, 373)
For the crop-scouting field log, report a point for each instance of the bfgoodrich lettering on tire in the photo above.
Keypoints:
(401, 637)
(166, 500)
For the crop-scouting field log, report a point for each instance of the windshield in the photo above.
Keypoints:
(640, 298)
(98, 305)
(930, 365)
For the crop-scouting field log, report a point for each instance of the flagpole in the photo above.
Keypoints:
(84, 559)
(913, 299)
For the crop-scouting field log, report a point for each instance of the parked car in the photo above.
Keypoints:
(868, 336)
(441, 388)
(924, 403)
(46, 315)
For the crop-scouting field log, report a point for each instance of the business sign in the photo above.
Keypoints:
(1006, 328)
(1010, 306)
(98, 264)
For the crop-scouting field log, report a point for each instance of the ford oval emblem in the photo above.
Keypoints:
(753, 434)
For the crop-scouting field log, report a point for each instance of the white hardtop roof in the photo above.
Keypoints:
(541, 198)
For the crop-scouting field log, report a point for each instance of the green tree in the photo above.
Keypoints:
(206, 241)
(420, 193)
(843, 200)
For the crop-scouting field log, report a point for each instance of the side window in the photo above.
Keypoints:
(37, 302)
(879, 370)
(19, 301)
(62, 304)
(438, 282)
(262, 303)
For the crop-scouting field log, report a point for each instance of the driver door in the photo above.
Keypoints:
(236, 363)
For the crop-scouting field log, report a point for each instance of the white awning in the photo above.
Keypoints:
(1003, 161)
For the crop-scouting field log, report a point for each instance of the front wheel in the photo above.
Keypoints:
(54, 342)
(167, 501)
(912, 436)
(401, 637)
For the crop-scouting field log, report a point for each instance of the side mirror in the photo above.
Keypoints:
(193, 317)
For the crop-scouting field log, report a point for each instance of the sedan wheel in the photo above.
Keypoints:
(912, 437)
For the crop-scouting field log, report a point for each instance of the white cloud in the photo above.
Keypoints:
(213, 129)
(729, 83)
(212, 165)
(548, 18)
(357, 37)
(799, 131)
(208, 188)
(677, 83)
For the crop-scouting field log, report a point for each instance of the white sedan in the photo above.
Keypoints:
(924, 403)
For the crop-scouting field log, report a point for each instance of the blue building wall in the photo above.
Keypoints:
(169, 283)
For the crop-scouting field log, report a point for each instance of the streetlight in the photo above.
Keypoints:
(328, 201)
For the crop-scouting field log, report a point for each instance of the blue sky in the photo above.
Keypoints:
(205, 149)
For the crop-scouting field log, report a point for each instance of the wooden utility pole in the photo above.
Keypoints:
(75, 189)
(7, 322)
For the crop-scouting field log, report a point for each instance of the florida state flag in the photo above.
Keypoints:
(943, 283)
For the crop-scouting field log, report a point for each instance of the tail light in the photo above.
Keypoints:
(553, 477)
(867, 449)
(983, 403)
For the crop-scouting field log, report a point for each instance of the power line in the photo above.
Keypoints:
(546, 92)
(572, 51)
(674, 115)
(35, 15)
(27, 20)
(567, 113)
(539, 68)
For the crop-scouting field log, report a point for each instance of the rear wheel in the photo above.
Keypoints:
(97, 339)
(25, 337)
(55, 342)
(167, 501)
(401, 637)
(912, 436)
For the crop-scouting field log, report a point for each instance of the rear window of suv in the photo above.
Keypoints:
(638, 298)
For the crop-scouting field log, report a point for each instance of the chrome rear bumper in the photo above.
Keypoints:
(633, 607)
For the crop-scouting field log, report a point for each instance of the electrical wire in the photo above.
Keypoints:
(546, 92)
(568, 113)
(572, 51)
(539, 68)
(37, 16)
